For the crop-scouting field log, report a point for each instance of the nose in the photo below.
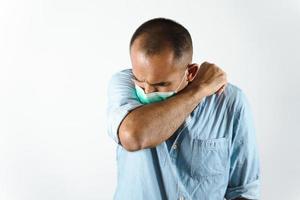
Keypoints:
(149, 89)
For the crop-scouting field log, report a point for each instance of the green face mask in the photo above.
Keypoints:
(154, 96)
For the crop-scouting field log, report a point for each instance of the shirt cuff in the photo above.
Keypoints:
(249, 191)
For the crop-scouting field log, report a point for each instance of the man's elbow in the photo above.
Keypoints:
(129, 141)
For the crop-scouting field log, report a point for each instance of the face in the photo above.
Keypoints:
(160, 73)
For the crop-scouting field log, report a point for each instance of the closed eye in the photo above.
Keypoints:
(134, 78)
(161, 84)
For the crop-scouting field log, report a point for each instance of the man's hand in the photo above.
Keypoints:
(209, 79)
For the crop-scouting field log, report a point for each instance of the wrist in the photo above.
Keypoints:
(197, 93)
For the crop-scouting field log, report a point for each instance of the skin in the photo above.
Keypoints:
(136, 130)
(160, 73)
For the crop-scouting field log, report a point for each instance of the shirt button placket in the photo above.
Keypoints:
(174, 153)
(181, 198)
(175, 146)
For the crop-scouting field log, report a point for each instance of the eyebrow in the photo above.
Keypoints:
(160, 83)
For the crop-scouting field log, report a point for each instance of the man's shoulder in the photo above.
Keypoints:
(121, 77)
(123, 73)
(235, 96)
(232, 91)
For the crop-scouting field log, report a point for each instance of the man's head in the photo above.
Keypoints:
(161, 51)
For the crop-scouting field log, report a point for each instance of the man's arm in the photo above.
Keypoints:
(150, 125)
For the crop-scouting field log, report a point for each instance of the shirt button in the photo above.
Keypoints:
(175, 146)
(181, 198)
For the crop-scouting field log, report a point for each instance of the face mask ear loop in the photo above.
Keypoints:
(180, 82)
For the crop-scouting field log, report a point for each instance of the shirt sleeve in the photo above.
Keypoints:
(244, 176)
(121, 99)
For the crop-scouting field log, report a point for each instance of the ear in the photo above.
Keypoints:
(192, 71)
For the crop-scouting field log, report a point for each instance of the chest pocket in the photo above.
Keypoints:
(209, 157)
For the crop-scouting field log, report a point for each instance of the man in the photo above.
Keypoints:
(182, 131)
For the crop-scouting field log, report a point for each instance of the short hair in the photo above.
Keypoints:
(160, 33)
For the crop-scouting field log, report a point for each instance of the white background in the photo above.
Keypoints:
(56, 57)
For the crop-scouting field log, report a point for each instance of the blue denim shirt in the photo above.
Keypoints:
(213, 155)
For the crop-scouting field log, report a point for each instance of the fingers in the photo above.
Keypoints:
(212, 74)
(222, 89)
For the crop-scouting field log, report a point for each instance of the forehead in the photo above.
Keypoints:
(154, 68)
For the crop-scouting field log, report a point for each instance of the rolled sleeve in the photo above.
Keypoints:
(121, 100)
(244, 176)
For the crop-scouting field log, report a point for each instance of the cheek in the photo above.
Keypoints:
(140, 85)
(183, 86)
